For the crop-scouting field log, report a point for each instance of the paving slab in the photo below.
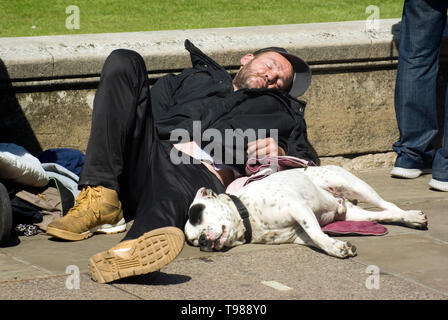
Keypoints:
(61, 288)
(411, 264)
(309, 275)
(46, 256)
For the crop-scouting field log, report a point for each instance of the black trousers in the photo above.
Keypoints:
(124, 152)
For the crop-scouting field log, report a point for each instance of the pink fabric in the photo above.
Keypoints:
(236, 185)
(277, 163)
(362, 228)
(265, 166)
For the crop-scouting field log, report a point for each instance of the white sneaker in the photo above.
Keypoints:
(438, 185)
(408, 173)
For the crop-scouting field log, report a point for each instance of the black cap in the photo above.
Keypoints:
(302, 72)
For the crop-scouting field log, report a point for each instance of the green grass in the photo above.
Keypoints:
(17, 17)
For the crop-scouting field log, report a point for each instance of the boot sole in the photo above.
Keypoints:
(72, 236)
(152, 251)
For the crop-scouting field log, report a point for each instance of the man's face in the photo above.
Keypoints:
(267, 70)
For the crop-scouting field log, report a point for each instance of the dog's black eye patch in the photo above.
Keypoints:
(195, 214)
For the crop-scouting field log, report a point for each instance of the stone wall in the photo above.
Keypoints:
(47, 84)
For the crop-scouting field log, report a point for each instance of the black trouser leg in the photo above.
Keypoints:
(122, 130)
(169, 191)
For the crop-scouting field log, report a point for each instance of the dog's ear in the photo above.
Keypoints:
(203, 192)
(195, 213)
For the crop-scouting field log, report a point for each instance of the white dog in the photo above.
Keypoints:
(290, 207)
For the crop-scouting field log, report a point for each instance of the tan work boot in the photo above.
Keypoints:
(148, 253)
(97, 210)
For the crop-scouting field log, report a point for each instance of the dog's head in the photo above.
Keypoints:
(211, 221)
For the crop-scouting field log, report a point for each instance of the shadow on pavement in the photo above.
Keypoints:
(155, 279)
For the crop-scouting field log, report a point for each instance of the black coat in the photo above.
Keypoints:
(205, 93)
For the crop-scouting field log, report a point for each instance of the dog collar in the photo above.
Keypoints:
(244, 214)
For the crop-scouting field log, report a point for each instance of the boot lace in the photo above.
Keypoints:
(87, 200)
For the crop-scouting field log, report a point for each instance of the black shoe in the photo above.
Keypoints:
(5, 215)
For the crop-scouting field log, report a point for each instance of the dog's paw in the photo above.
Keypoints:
(415, 219)
(342, 249)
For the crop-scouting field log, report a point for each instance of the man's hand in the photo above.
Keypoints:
(264, 147)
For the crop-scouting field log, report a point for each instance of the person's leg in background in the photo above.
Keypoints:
(422, 27)
(439, 179)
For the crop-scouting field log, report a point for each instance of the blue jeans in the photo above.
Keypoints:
(422, 27)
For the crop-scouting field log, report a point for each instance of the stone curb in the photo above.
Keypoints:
(53, 57)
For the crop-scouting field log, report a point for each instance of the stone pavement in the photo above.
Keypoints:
(412, 264)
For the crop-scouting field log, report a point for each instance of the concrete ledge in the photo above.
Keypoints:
(83, 55)
(49, 82)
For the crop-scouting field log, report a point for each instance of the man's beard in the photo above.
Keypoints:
(245, 77)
